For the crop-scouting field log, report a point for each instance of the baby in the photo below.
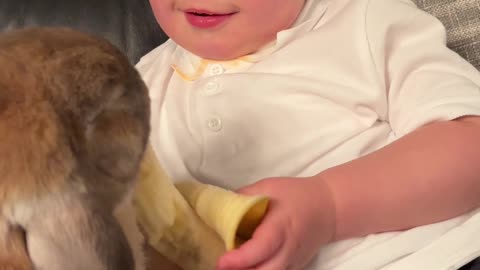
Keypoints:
(353, 116)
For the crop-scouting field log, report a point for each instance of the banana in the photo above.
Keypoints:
(234, 217)
(190, 223)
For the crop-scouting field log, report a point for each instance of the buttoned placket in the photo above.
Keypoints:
(214, 122)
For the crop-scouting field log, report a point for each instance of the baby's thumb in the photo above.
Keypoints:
(264, 244)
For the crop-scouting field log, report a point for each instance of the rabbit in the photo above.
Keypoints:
(74, 125)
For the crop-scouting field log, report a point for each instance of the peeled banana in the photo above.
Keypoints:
(190, 223)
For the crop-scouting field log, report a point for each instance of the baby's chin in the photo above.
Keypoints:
(220, 54)
(224, 52)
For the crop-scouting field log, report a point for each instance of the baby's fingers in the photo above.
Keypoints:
(264, 244)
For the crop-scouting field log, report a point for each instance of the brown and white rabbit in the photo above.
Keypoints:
(74, 124)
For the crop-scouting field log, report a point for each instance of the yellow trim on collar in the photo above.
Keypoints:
(203, 66)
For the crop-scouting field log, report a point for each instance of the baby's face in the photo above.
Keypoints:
(224, 29)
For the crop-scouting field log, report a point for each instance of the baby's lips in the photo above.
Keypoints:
(204, 12)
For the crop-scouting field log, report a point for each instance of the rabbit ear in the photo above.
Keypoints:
(85, 79)
(117, 138)
(103, 100)
(118, 127)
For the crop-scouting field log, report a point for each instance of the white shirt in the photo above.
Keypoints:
(348, 78)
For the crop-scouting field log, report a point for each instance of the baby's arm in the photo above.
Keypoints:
(427, 176)
(431, 172)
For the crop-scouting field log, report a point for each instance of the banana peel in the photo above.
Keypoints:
(234, 217)
(190, 223)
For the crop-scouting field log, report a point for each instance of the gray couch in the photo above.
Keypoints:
(128, 24)
(462, 20)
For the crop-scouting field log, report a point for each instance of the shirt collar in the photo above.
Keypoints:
(190, 67)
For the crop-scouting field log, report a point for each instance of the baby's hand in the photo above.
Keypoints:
(300, 219)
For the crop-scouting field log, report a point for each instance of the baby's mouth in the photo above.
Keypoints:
(206, 19)
(205, 13)
(201, 14)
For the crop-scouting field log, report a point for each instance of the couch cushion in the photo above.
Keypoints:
(462, 20)
(128, 24)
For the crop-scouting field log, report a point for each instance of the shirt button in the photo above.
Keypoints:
(211, 88)
(216, 69)
(214, 124)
